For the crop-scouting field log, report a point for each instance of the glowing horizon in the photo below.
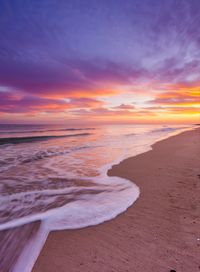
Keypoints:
(100, 62)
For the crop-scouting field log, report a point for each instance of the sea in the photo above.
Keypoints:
(54, 177)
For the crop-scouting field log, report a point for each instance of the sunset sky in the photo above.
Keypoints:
(100, 61)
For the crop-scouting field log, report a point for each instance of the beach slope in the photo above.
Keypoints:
(160, 232)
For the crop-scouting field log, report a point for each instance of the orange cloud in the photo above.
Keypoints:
(104, 92)
(179, 98)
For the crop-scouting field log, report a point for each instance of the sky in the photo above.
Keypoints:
(108, 61)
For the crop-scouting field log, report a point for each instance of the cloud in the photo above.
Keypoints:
(12, 103)
(176, 98)
(71, 78)
(85, 103)
(115, 112)
(124, 107)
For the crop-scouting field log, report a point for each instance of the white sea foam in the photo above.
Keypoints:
(91, 210)
(30, 253)
(84, 212)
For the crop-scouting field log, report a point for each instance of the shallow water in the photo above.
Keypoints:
(57, 174)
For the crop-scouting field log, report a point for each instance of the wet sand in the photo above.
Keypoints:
(160, 232)
(12, 243)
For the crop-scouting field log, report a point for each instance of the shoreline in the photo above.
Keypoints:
(145, 237)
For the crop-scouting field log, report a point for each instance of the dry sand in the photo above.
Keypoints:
(160, 232)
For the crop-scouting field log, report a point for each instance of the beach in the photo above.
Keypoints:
(160, 232)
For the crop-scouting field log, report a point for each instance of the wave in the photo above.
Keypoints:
(9, 162)
(19, 140)
(45, 130)
(166, 129)
(39, 155)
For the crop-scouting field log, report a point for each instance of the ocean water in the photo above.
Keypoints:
(58, 175)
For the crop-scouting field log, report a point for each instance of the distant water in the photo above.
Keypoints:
(58, 174)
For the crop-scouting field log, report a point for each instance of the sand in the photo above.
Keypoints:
(160, 232)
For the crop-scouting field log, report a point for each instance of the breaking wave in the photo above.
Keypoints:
(19, 140)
